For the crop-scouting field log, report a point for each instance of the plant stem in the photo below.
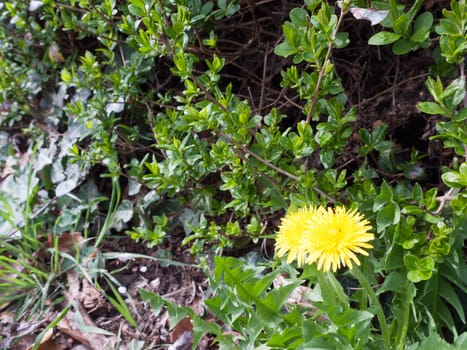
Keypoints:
(362, 303)
(330, 282)
(414, 10)
(114, 202)
(375, 302)
(322, 71)
(393, 9)
(404, 325)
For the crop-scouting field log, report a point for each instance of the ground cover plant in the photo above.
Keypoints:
(233, 174)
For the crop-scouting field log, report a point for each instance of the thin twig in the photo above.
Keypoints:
(259, 158)
(274, 167)
(443, 199)
(323, 68)
(365, 101)
(265, 64)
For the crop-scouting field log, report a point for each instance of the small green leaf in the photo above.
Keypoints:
(417, 275)
(401, 24)
(394, 282)
(66, 76)
(427, 263)
(383, 38)
(284, 49)
(299, 17)
(410, 261)
(387, 216)
(456, 179)
(435, 87)
(461, 115)
(424, 21)
(447, 27)
(383, 197)
(430, 198)
(402, 47)
(137, 11)
(431, 108)
(422, 27)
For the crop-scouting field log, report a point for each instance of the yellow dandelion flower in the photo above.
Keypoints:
(334, 237)
(293, 235)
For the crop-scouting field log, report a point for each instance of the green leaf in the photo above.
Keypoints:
(351, 317)
(402, 47)
(431, 108)
(434, 342)
(401, 24)
(448, 294)
(136, 10)
(419, 269)
(387, 216)
(155, 300)
(447, 27)
(383, 197)
(435, 87)
(455, 179)
(394, 282)
(276, 299)
(410, 261)
(299, 17)
(422, 27)
(456, 89)
(427, 263)
(430, 198)
(418, 275)
(383, 38)
(342, 40)
(284, 49)
(424, 21)
(120, 305)
(461, 115)
(461, 341)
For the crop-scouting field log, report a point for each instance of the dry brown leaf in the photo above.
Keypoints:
(66, 242)
(185, 325)
(71, 328)
(47, 342)
(90, 297)
(65, 327)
